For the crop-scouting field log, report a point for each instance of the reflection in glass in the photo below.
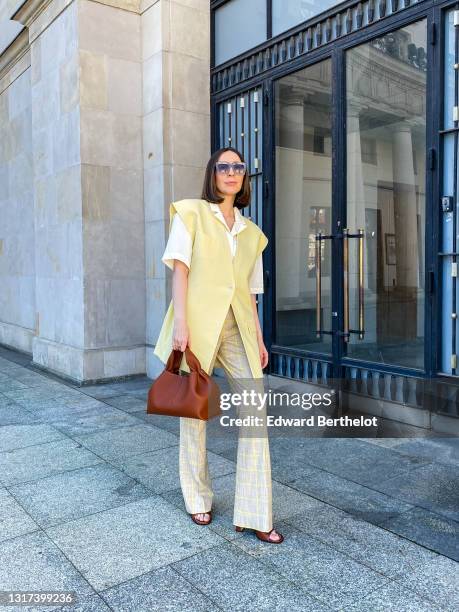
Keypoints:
(291, 13)
(386, 143)
(239, 26)
(303, 204)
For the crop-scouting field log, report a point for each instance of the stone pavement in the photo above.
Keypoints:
(90, 501)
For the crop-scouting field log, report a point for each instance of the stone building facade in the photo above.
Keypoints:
(104, 120)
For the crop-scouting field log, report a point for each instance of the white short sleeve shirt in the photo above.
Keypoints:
(179, 245)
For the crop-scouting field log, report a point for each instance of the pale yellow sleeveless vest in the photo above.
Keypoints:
(215, 281)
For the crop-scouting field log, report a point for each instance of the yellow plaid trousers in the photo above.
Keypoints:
(253, 495)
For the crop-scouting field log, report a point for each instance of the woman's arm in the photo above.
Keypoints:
(180, 334)
(261, 345)
(177, 257)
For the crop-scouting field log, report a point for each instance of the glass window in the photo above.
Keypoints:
(239, 26)
(291, 13)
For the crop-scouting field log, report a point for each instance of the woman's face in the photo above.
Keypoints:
(229, 184)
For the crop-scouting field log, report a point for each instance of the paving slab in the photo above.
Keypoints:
(20, 436)
(236, 581)
(168, 423)
(429, 529)
(162, 590)
(127, 402)
(124, 542)
(359, 500)
(41, 460)
(89, 603)
(5, 401)
(27, 396)
(392, 597)
(354, 460)
(332, 577)
(76, 421)
(14, 520)
(159, 470)
(125, 441)
(434, 487)
(68, 405)
(373, 546)
(14, 414)
(86, 491)
(32, 562)
(11, 387)
(435, 578)
(443, 449)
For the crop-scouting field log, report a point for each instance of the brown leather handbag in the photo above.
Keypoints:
(195, 395)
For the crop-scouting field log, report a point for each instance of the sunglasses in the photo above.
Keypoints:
(239, 168)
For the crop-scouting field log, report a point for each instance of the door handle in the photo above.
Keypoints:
(318, 285)
(361, 292)
(346, 284)
(361, 331)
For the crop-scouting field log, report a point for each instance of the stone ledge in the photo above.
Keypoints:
(11, 59)
(29, 11)
(83, 365)
(16, 337)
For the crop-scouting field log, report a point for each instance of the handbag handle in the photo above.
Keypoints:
(175, 359)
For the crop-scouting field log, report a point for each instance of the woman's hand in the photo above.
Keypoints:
(180, 335)
(263, 353)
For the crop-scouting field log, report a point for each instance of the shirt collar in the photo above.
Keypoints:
(239, 222)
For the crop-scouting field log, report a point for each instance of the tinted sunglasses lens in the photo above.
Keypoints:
(222, 167)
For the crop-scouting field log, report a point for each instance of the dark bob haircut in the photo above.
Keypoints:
(209, 189)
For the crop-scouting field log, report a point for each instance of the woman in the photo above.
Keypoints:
(216, 256)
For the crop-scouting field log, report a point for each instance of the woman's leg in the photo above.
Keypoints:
(194, 469)
(253, 498)
(193, 466)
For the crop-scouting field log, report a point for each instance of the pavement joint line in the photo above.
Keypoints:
(11, 450)
(106, 429)
(194, 586)
(79, 518)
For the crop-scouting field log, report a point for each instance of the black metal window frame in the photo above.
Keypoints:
(344, 19)
(441, 12)
(322, 15)
(433, 11)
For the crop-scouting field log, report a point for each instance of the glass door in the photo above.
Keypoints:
(303, 155)
(350, 224)
(383, 237)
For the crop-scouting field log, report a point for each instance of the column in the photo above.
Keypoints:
(176, 133)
